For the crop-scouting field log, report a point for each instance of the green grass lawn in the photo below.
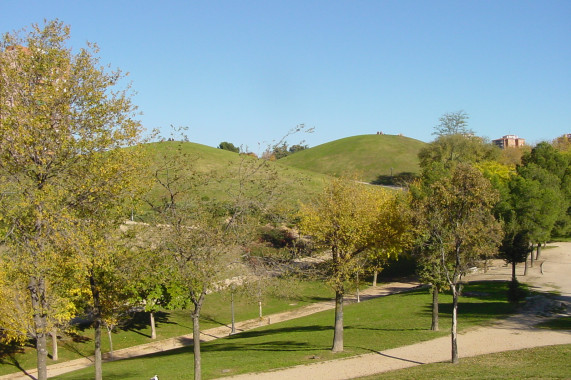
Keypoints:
(551, 362)
(378, 324)
(170, 323)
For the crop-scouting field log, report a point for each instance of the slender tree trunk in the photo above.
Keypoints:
(110, 336)
(531, 262)
(338, 331)
(197, 301)
(97, 327)
(454, 324)
(98, 361)
(55, 355)
(37, 295)
(434, 325)
(358, 293)
(196, 345)
(525, 266)
(375, 274)
(260, 313)
(233, 330)
(153, 326)
(538, 251)
(513, 271)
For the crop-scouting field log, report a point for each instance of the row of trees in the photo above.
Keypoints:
(470, 200)
(72, 169)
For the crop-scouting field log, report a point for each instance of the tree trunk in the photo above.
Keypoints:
(260, 314)
(55, 355)
(338, 331)
(358, 293)
(153, 326)
(233, 330)
(97, 327)
(434, 325)
(375, 274)
(525, 267)
(513, 271)
(538, 251)
(98, 361)
(454, 324)
(37, 295)
(109, 335)
(531, 262)
(196, 345)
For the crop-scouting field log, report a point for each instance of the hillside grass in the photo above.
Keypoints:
(219, 172)
(378, 324)
(367, 157)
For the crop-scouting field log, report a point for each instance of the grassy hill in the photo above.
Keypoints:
(366, 156)
(221, 170)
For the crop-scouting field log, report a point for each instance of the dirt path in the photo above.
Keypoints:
(214, 333)
(517, 332)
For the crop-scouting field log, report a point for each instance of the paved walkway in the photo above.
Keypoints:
(214, 333)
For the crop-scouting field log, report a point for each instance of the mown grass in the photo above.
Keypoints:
(170, 323)
(551, 362)
(366, 156)
(377, 324)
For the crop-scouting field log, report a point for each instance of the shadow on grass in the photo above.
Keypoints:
(142, 320)
(283, 330)
(398, 179)
(559, 323)
(8, 352)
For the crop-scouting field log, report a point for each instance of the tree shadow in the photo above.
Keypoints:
(283, 330)
(397, 179)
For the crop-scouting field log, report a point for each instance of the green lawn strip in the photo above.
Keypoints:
(378, 324)
(550, 362)
(170, 323)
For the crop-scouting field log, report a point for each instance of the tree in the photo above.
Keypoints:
(459, 225)
(449, 150)
(201, 238)
(558, 164)
(537, 202)
(297, 148)
(515, 248)
(228, 146)
(61, 115)
(344, 219)
(453, 123)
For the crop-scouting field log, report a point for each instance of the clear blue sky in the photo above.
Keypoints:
(249, 71)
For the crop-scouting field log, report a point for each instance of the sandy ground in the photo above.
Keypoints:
(550, 273)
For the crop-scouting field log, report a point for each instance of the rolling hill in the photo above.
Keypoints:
(366, 157)
(221, 170)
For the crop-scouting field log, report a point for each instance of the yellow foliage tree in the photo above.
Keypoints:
(348, 219)
(63, 120)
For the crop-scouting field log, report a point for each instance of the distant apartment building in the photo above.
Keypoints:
(509, 141)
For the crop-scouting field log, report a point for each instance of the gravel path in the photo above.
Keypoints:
(550, 273)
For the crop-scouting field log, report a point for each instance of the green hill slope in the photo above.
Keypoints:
(222, 169)
(366, 156)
